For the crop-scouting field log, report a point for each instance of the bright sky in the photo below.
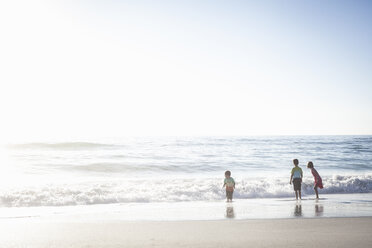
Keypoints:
(117, 68)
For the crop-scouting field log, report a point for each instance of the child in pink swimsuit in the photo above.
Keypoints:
(317, 179)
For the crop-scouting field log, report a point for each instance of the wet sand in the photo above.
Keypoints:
(313, 232)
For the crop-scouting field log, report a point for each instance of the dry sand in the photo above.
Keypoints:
(323, 232)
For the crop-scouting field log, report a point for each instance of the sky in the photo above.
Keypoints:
(86, 69)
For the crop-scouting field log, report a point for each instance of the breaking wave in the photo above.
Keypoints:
(176, 190)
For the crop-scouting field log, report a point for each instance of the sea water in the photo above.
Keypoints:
(184, 175)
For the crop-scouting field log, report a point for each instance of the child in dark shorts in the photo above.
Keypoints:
(229, 183)
(296, 178)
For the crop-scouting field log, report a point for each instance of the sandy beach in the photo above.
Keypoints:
(324, 232)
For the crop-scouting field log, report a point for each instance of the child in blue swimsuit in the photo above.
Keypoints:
(229, 183)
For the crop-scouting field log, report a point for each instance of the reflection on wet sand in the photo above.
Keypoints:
(298, 210)
(319, 209)
(230, 212)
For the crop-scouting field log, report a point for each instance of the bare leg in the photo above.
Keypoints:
(296, 195)
(299, 193)
(316, 192)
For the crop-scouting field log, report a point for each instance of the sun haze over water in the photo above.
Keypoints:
(73, 69)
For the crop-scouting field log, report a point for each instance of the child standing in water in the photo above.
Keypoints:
(317, 179)
(229, 183)
(296, 176)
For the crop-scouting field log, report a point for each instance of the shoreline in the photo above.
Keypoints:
(346, 205)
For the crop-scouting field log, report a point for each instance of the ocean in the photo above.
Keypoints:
(179, 170)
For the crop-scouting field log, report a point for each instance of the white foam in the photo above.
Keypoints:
(170, 190)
